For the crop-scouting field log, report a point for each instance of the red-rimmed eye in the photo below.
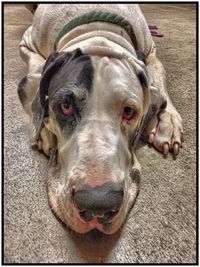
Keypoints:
(128, 113)
(66, 109)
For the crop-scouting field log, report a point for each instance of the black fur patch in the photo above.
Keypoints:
(143, 79)
(72, 77)
(141, 56)
(135, 176)
(62, 74)
(22, 90)
(164, 105)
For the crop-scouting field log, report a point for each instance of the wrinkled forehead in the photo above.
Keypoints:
(114, 82)
(110, 79)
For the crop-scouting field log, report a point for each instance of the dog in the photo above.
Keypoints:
(94, 86)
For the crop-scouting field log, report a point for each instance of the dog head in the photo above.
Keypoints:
(94, 106)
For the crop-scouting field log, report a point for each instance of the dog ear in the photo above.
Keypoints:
(40, 104)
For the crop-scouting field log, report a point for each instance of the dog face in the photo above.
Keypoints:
(95, 107)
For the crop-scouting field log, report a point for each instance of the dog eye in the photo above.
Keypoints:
(128, 113)
(66, 109)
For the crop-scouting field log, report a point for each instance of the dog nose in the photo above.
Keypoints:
(103, 202)
(88, 216)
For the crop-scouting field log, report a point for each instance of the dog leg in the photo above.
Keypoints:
(45, 141)
(164, 129)
(28, 88)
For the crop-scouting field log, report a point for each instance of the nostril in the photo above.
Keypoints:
(108, 216)
(86, 215)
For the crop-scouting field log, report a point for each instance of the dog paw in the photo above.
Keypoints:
(165, 131)
(44, 142)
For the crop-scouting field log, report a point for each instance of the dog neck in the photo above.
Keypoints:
(97, 34)
(98, 16)
(100, 39)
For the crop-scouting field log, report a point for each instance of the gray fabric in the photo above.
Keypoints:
(161, 226)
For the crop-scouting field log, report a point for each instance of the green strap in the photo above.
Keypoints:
(94, 16)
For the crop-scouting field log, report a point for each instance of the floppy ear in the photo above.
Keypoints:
(40, 103)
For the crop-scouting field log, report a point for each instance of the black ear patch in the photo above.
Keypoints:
(141, 56)
(51, 67)
(53, 64)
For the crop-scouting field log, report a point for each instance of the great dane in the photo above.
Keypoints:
(94, 86)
